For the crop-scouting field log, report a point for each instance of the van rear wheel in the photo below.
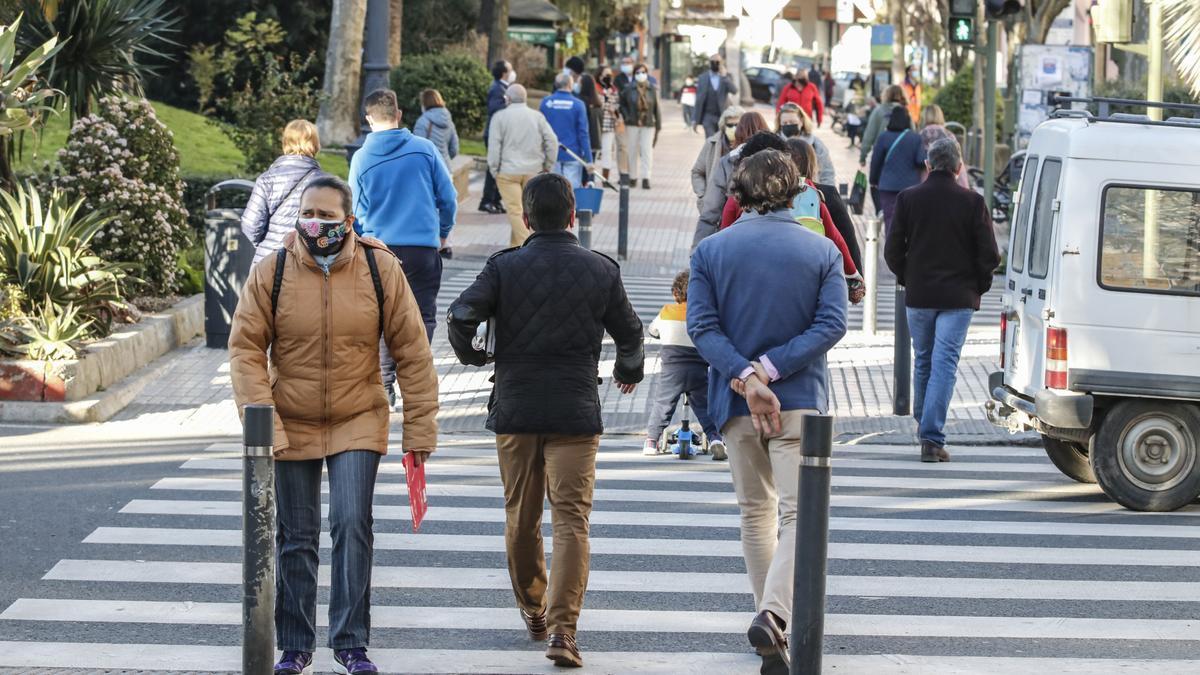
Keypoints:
(1146, 455)
(1070, 457)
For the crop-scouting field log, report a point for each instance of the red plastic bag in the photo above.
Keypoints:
(417, 502)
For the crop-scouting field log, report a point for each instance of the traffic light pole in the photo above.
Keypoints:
(989, 112)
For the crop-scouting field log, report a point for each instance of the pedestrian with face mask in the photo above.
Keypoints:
(713, 93)
(406, 201)
(792, 122)
(715, 147)
(643, 121)
(611, 126)
(303, 340)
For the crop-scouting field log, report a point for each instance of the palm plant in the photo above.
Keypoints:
(51, 335)
(45, 253)
(24, 97)
(1181, 35)
(109, 45)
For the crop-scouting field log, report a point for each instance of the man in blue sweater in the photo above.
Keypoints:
(766, 301)
(403, 196)
(567, 115)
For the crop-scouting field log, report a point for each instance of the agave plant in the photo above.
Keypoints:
(1181, 35)
(45, 252)
(24, 97)
(52, 334)
(109, 45)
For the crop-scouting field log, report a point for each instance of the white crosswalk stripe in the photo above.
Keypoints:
(991, 564)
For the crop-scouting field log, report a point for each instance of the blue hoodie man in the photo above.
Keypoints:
(403, 196)
(567, 115)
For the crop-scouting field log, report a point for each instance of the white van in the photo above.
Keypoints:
(1101, 323)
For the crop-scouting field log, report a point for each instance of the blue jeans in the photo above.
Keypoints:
(571, 170)
(938, 336)
(297, 545)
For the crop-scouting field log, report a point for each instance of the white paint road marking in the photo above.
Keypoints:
(169, 572)
(661, 471)
(167, 658)
(183, 507)
(624, 621)
(451, 489)
(725, 548)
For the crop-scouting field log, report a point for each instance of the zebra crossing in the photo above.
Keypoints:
(649, 293)
(993, 563)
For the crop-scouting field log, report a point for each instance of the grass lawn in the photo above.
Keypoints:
(204, 150)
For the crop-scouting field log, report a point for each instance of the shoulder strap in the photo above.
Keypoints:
(894, 144)
(289, 193)
(280, 260)
(370, 253)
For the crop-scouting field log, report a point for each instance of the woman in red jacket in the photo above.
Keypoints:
(800, 91)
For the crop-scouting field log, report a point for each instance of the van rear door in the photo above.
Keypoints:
(1033, 275)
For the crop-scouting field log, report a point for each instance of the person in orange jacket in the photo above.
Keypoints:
(912, 91)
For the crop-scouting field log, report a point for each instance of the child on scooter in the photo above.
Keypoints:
(683, 371)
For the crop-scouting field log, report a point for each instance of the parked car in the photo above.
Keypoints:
(765, 81)
(841, 82)
(1101, 323)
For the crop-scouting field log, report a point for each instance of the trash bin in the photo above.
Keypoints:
(227, 258)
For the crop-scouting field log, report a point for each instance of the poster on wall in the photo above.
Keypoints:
(1044, 70)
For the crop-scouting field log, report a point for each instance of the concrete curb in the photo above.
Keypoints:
(117, 368)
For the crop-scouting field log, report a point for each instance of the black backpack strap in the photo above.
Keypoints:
(280, 261)
(370, 253)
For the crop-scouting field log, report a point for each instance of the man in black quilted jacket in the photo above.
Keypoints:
(550, 302)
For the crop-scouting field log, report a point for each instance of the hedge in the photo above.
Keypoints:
(462, 81)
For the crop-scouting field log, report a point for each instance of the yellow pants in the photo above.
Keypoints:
(511, 186)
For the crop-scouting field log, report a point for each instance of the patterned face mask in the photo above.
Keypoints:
(322, 237)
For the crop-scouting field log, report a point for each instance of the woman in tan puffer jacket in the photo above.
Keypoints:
(315, 357)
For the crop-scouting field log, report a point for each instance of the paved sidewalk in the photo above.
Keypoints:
(193, 397)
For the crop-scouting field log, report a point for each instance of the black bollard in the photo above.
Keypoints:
(583, 221)
(258, 540)
(812, 542)
(902, 360)
(623, 220)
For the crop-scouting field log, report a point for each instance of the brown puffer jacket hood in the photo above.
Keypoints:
(323, 376)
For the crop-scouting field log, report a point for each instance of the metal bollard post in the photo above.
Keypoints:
(623, 220)
(902, 360)
(871, 277)
(258, 540)
(812, 542)
(583, 221)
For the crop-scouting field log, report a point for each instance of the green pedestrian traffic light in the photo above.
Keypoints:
(962, 30)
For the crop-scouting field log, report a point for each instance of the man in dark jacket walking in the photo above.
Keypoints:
(550, 302)
(713, 90)
(943, 251)
(503, 75)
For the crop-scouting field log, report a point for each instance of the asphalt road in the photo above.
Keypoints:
(993, 563)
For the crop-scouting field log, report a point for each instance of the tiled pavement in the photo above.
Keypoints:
(194, 393)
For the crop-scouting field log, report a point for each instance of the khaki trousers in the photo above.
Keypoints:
(511, 186)
(765, 472)
(563, 468)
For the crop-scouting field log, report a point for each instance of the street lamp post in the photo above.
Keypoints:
(375, 68)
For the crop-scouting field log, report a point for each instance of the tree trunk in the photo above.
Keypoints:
(498, 32)
(487, 8)
(396, 32)
(899, 40)
(338, 121)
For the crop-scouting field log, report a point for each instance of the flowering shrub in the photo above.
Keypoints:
(121, 160)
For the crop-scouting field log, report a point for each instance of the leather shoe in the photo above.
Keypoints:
(536, 625)
(563, 651)
(767, 636)
(932, 453)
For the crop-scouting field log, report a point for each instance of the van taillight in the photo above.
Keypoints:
(1003, 335)
(1056, 358)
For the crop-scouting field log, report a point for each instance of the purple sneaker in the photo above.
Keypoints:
(352, 662)
(294, 663)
